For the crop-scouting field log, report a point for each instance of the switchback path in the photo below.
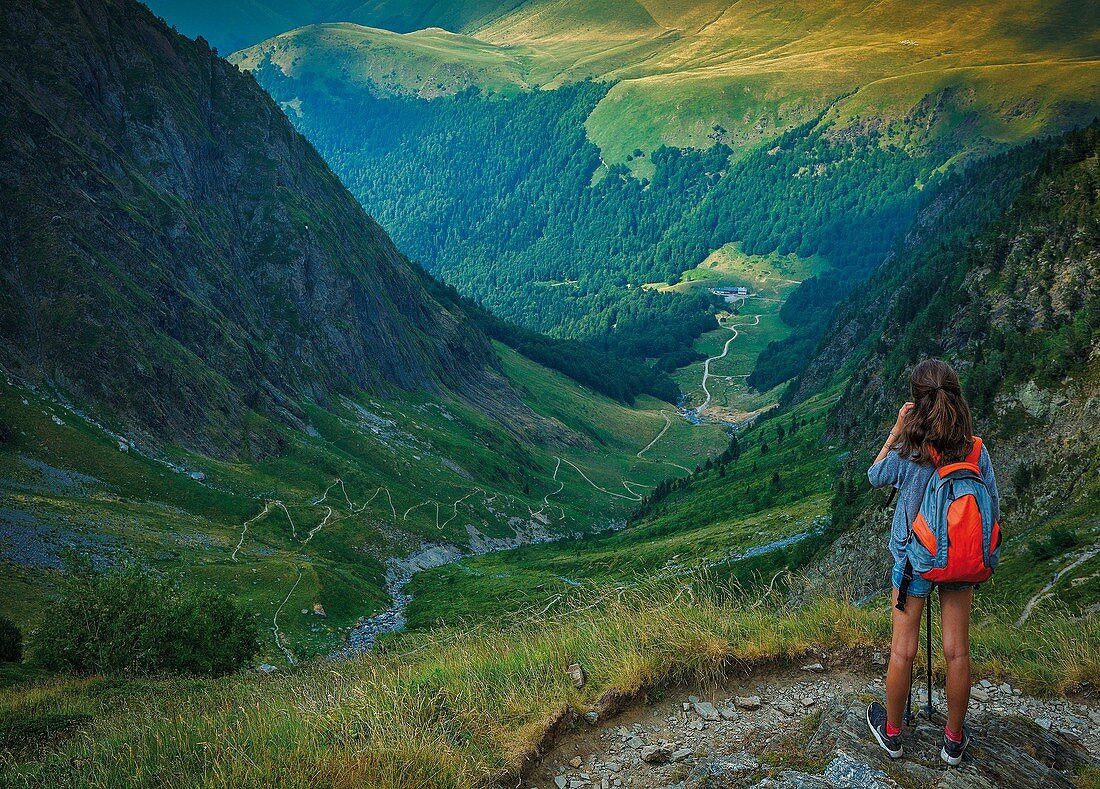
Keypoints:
(725, 350)
(633, 497)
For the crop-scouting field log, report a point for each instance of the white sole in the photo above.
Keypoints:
(954, 761)
(892, 754)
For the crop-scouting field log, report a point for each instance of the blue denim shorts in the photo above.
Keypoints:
(919, 587)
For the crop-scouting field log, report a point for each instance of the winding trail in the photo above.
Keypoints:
(319, 526)
(668, 424)
(394, 617)
(293, 526)
(633, 497)
(244, 529)
(459, 501)
(725, 350)
(1045, 591)
(275, 623)
(546, 498)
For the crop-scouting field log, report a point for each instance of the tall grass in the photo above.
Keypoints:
(451, 708)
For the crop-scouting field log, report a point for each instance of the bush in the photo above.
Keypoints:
(1057, 543)
(11, 641)
(127, 621)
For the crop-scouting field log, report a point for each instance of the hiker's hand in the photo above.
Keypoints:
(902, 413)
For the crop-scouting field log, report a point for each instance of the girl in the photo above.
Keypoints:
(932, 430)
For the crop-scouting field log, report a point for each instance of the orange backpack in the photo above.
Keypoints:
(955, 537)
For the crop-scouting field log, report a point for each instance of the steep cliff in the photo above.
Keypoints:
(175, 254)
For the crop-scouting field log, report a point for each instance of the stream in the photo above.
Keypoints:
(399, 572)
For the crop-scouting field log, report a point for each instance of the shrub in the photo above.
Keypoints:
(1057, 543)
(127, 621)
(11, 641)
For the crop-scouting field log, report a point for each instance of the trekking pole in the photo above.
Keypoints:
(928, 710)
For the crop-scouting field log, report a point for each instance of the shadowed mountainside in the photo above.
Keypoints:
(177, 253)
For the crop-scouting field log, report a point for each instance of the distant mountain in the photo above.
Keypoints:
(176, 254)
(992, 72)
(776, 127)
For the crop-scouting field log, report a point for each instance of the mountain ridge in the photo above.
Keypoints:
(248, 279)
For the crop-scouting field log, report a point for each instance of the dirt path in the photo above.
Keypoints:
(275, 623)
(1042, 593)
(717, 736)
(546, 498)
(626, 484)
(244, 529)
(725, 350)
(647, 447)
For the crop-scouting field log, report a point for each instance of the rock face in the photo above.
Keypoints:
(1006, 751)
(176, 255)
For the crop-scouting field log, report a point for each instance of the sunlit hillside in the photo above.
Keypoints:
(994, 72)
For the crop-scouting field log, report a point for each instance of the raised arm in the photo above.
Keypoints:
(895, 431)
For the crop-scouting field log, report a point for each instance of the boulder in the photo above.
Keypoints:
(706, 710)
(656, 754)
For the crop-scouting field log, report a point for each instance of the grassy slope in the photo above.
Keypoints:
(414, 451)
(756, 68)
(451, 708)
(716, 516)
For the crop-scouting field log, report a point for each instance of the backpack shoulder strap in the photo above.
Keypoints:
(976, 452)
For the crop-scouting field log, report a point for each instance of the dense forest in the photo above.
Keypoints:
(615, 376)
(507, 199)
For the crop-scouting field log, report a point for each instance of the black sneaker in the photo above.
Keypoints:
(876, 719)
(952, 752)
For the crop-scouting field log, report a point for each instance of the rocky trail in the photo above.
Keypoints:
(1046, 590)
(804, 726)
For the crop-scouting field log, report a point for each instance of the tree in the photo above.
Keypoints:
(129, 621)
(11, 641)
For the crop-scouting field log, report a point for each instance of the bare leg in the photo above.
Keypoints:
(955, 624)
(903, 649)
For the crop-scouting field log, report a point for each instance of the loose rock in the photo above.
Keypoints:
(656, 754)
(747, 702)
(577, 674)
(706, 711)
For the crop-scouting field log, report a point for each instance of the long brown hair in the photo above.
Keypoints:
(939, 419)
